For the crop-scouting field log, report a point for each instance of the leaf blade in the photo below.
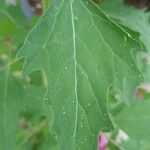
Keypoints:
(85, 62)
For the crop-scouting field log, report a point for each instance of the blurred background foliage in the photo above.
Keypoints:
(134, 117)
(23, 119)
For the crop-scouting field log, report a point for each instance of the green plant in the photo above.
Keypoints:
(75, 78)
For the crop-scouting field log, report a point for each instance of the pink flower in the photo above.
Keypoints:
(144, 87)
(103, 142)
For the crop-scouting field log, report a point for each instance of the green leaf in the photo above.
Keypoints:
(12, 28)
(135, 120)
(2, 3)
(21, 104)
(135, 19)
(83, 53)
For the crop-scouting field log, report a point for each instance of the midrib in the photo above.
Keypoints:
(75, 63)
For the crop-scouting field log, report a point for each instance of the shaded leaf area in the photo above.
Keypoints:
(82, 53)
(24, 120)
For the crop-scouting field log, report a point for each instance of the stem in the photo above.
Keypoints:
(45, 4)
